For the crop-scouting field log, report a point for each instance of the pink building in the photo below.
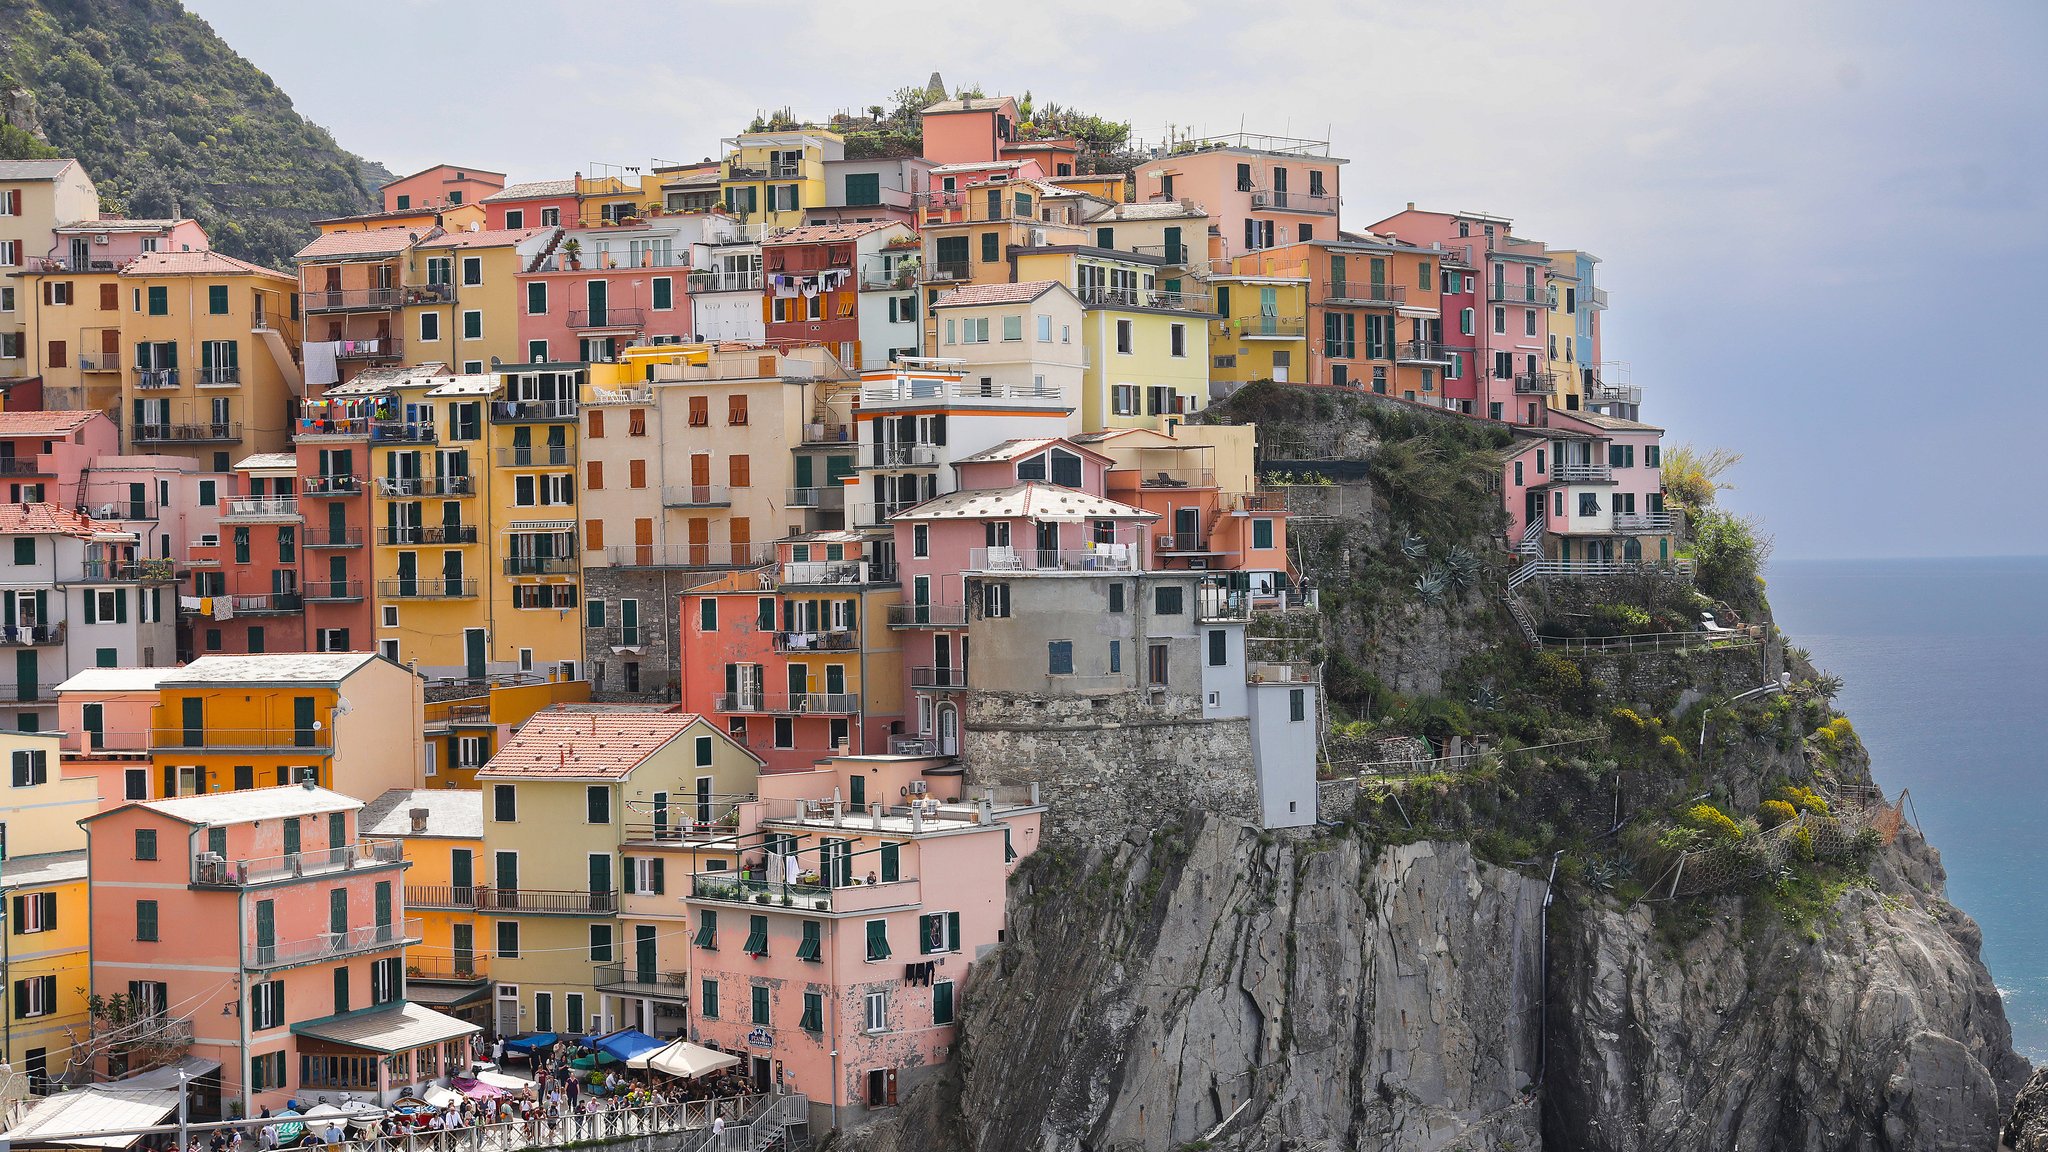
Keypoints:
(105, 716)
(834, 962)
(968, 131)
(252, 563)
(625, 284)
(259, 929)
(441, 186)
(42, 452)
(537, 204)
(113, 243)
(1589, 488)
(1260, 191)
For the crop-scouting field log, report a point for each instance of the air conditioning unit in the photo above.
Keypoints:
(1038, 237)
(1198, 565)
(919, 787)
(102, 238)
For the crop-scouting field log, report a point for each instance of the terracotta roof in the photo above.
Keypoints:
(1033, 501)
(599, 743)
(821, 233)
(1016, 449)
(970, 295)
(970, 104)
(366, 242)
(532, 190)
(437, 167)
(484, 238)
(47, 520)
(121, 224)
(198, 264)
(33, 169)
(54, 423)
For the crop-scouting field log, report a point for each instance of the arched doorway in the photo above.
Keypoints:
(949, 730)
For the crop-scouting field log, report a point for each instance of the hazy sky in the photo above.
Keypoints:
(1817, 220)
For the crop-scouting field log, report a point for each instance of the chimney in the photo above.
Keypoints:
(419, 820)
(1411, 205)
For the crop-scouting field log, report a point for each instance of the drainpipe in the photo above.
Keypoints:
(242, 996)
(832, 944)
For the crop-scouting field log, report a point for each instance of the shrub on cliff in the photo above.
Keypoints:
(1772, 813)
(1728, 557)
(1716, 824)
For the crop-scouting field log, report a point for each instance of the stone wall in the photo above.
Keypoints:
(659, 591)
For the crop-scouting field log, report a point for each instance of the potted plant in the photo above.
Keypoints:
(823, 905)
(572, 250)
(787, 900)
(760, 897)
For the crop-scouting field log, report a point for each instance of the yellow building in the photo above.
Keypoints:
(561, 802)
(1564, 354)
(1145, 331)
(442, 831)
(464, 732)
(45, 956)
(530, 500)
(196, 351)
(1261, 328)
(470, 318)
(35, 197)
(769, 178)
(348, 721)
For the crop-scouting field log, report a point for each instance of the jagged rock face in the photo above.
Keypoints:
(1881, 1031)
(2027, 1130)
(1293, 993)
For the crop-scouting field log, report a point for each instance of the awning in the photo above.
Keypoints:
(501, 1080)
(628, 1043)
(537, 1042)
(78, 1117)
(445, 995)
(388, 1030)
(475, 1089)
(683, 1058)
(166, 1078)
(440, 1097)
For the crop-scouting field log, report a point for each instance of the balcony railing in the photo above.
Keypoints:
(331, 485)
(332, 538)
(803, 897)
(541, 565)
(725, 281)
(1111, 296)
(455, 968)
(696, 496)
(210, 871)
(1651, 522)
(156, 379)
(332, 591)
(927, 615)
(381, 348)
(447, 484)
(833, 496)
(428, 534)
(640, 980)
(188, 433)
(838, 572)
(122, 571)
(219, 377)
(712, 556)
(31, 635)
(1271, 200)
(352, 299)
(533, 411)
(330, 945)
(24, 466)
(443, 896)
(1504, 293)
(1421, 352)
(1222, 605)
(1604, 393)
(1107, 558)
(177, 738)
(402, 431)
(567, 902)
(789, 704)
(946, 271)
(606, 317)
(261, 508)
(938, 678)
(1564, 473)
(903, 455)
(1267, 327)
(538, 456)
(1363, 292)
(332, 426)
(817, 642)
(1537, 384)
(269, 604)
(435, 588)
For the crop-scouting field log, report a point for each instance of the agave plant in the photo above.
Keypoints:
(1462, 565)
(1414, 547)
(1431, 586)
(1486, 699)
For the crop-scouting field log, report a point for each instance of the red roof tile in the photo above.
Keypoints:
(972, 294)
(198, 264)
(592, 742)
(483, 238)
(822, 233)
(47, 520)
(366, 242)
(57, 423)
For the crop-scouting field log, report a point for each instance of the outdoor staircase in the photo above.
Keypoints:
(1521, 615)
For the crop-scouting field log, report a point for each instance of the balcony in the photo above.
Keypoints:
(718, 557)
(696, 496)
(24, 466)
(331, 485)
(946, 271)
(900, 279)
(1536, 384)
(1504, 293)
(332, 538)
(381, 348)
(354, 299)
(330, 426)
(1110, 296)
(225, 432)
(120, 571)
(830, 497)
(749, 281)
(533, 411)
(271, 604)
(789, 704)
(830, 434)
(637, 980)
(177, 738)
(538, 456)
(220, 377)
(467, 897)
(1648, 523)
(333, 945)
(1222, 605)
(553, 901)
(1593, 299)
(1183, 544)
(210, 871)
(1421, 352)
(456, 968)
(927, 615)
(902, 455)
(31, 635)
(942, 679)
(156, 380)
(1272, 200)
(837, 572)
(332, 591)
(1364, 292)
(447, 484)
(437, 588)
(801, 642)
(428, 534)
(606, 318)
(1107, 558)
(1266, 327)
(402, 432)
(541, 566)
(261, 508)
(1563, 473)
(728, 887)
(1602, 392)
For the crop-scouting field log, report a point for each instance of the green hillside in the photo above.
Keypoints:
(162, 112)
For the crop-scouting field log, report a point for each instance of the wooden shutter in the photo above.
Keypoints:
(597, 424)
(594, 474)
(740, 469)
(593, 534)
(636, 474)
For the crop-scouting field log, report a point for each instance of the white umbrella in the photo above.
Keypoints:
(440, 1097)
(683, 1058)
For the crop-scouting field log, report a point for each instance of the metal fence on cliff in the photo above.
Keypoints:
(1808, 835)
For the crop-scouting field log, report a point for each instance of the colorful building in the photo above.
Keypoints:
(353, 285)
(1260, 191)
(1586, 494)
(441, 833)
(1261, 328)
(605, 288)
(1146, 331)
(246, 578)
(848, 287)
(441, 186)
(469, 318)
(44, 948)
(35, 197)
(770, 178)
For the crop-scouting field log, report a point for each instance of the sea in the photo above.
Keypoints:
(1944, 666)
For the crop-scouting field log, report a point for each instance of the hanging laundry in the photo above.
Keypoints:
(320, 359)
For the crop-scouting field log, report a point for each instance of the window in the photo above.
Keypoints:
(1653, 456)
(1500, 321)
(32, 767)
(508, 939)
(34, 912)
(991, 247)
(266, 1005)
(504, 803)
(1589, 503)
(145, 920)
(707, 931)
(159, 300)
(1123, 337)
(938, 932)
(760, 1014)
(707, 1000)
(736, 410)
(1178, 340)
(1262, 533)
(878, 940)
(1529, 323)
(1169, 600)
(664, 293)
(995, 601)
(472, 270)
(813, 1019)
(600, 943)
(1013, 328)
(430, 327)
(35, 996)
(1297, 705)
(1124, 400)
(757, 938)
(1219, 648)
(537, 298)
(216, 299)
(878, 1012)
(1156, 665)
(145, 843)
(1059, 658)
(472, 325)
